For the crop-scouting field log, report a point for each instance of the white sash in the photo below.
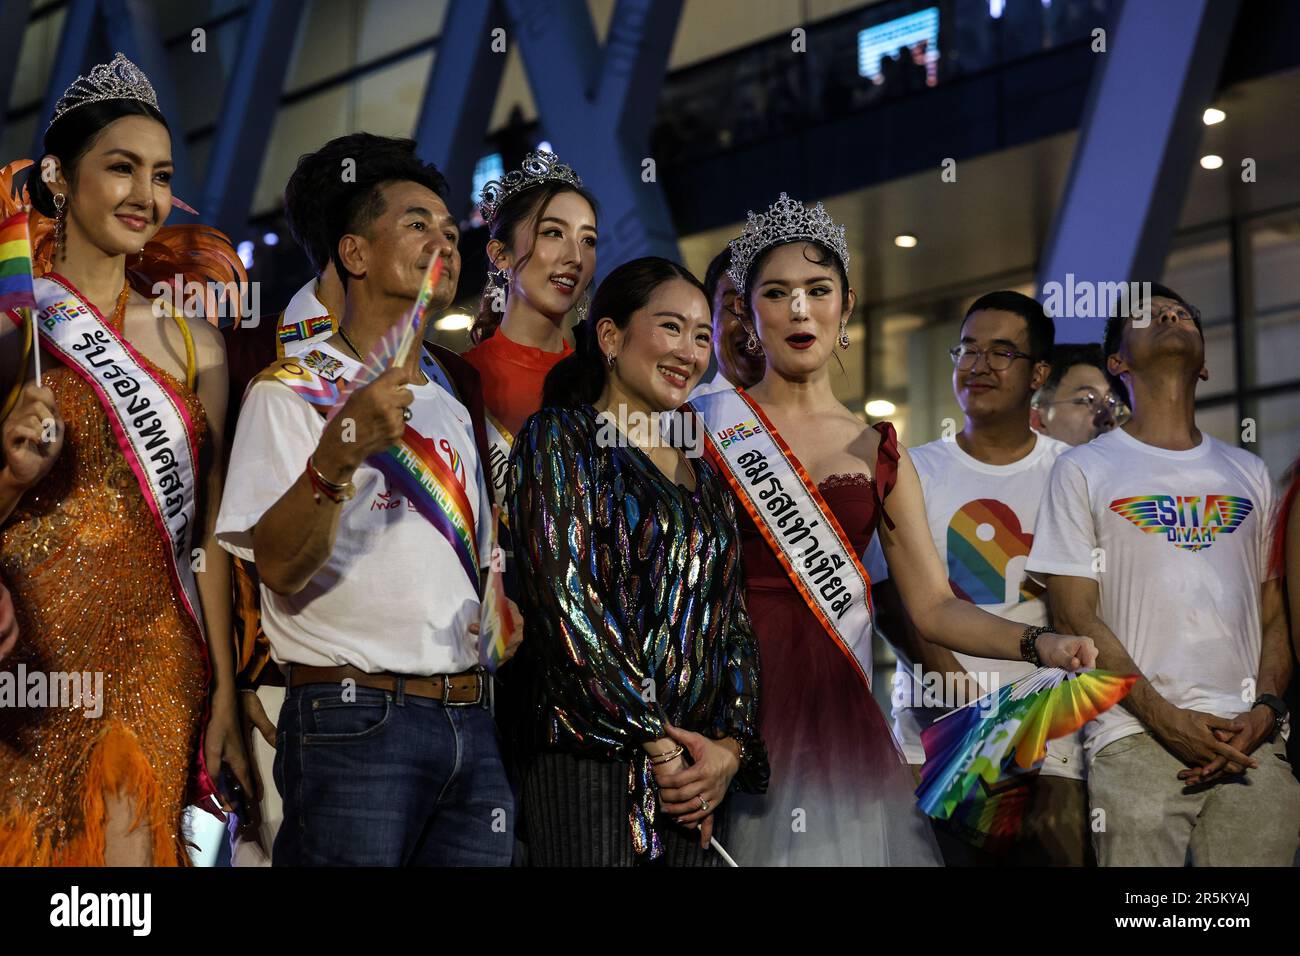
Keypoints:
(151, 423)
(793, 518)
(499, 443)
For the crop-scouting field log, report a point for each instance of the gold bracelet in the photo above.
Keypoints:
(668, 757)
(333, 490)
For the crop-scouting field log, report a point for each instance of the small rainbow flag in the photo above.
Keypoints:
(497, 624)
(16, 287)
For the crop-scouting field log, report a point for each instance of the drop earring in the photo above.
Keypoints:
(751, 343)
(844, 336)
(583, 305)
(60, 224)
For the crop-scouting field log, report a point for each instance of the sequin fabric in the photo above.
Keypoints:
(87, 568)
(633, 602)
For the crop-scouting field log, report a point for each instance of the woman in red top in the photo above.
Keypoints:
(543, 253)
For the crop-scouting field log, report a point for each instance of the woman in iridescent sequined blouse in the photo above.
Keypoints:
(647, 696)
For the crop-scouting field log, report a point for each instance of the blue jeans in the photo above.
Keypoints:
(387, 779)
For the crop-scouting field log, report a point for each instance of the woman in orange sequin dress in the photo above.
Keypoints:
(105, 781)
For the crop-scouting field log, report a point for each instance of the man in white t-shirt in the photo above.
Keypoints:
(370, 574)
(1153, 540)
(982, 491)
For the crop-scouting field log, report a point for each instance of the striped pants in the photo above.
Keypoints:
(576, 813)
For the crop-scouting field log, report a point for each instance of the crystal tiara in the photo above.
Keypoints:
(538, 167)
(118, 80)
(785, 220)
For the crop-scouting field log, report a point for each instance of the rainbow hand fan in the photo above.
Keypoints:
(393, 349)
(979, 759)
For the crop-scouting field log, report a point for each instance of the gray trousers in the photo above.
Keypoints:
(1142, 815)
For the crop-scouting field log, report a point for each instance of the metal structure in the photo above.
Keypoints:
(1136, 148)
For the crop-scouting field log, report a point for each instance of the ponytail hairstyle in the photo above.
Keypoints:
(71, 136)
(580, 378)
(518, 214)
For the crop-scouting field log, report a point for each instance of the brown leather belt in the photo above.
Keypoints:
(456, 690)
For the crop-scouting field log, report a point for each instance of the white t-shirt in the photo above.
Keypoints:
(393, 596)
(1178, 542)
(982, 521)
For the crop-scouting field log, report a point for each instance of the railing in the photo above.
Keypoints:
(853, 62)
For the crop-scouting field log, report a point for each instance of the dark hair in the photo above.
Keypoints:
(827, 258)
(71, 137)
(523, 208)
(714, 273)
(1115, 324)
(578, 379)
(316, 187)
(1042, 330)
(1067, 356)
(355, 205)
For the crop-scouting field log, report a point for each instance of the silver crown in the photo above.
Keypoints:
(118, 80)
(538, 167)
(786, 220)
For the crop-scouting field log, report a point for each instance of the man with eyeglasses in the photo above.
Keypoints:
(1153, 540)
(982, 491)
(1077, 402)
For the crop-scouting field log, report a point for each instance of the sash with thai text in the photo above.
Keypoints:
(149, 420)
(793, 518)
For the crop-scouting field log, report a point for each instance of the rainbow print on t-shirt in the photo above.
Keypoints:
(984, 536)
(1188, 522)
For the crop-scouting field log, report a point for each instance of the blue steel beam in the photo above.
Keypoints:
(462, 88)
(69, 61)
(1136, 148)
(131, 28)
(248, 111)
(601, 106)
(13, 24)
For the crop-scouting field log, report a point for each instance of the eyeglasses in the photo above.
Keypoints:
(967, 357)
(729, 305)
(1183, 313)
(1105, 405)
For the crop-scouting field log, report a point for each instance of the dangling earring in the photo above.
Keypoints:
(751, 344)
(60, 224)
(583, 305)
(844, 336)
(610, 359)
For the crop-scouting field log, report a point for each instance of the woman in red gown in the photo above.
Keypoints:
(839, 793)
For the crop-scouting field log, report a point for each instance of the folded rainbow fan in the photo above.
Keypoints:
(395, 345)
(980, 759)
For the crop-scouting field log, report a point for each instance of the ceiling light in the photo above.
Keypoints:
(905, 240)
(454, 322)
(1213, 115)
(1210, 161)
(880, 408)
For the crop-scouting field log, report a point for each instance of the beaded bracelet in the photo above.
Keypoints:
(1029, 643)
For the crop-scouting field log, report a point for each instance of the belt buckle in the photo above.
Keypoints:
(446, 691)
